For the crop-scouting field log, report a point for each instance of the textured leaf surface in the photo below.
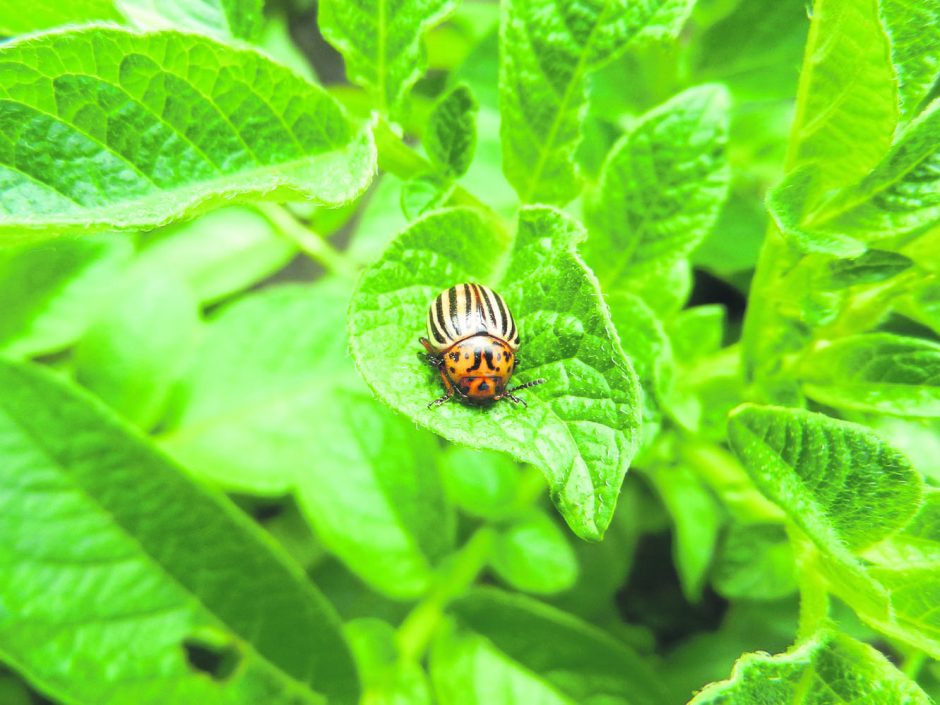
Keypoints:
(914, 30)
(577, 661)
(847, 105)
(840, 482)
(451, 132)
(140, 343)
(870, 268)
(381, 42)
(546, 52)
(829, 669)
(661, 187)
(273, 405)
(879, 372)
(900, 198)
(111, 552)
(755, 563)
(581, 427)
(50, 292)
(106, 128)
(241, 19)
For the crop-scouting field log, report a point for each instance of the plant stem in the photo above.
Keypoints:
(311, 244)
(814, 595)
(913, 662)
(418, 627)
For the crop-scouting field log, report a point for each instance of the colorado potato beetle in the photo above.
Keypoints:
(472, 341)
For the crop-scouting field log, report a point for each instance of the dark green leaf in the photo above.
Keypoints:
(914, 30)
(581, 427)
(755, 563)
(127, 130)
(451, 133)
(533, 555)
(115, 563)
(872, 267)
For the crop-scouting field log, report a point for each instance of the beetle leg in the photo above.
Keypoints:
(442, 400)
(514, 399)
(435, 361)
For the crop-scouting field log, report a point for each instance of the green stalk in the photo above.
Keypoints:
(311, 244)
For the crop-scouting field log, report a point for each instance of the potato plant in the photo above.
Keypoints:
(717, 224)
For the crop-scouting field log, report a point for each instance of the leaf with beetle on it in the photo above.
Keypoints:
(117, 566)
(137, 130)
(661, 187)
(546, 53)
(380, 41)
(581, 427)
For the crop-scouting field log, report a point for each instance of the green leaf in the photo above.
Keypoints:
(580, 428)
(914, 30)
(451, 135)
(877, 372)
(106, 128)
(381, 219)
(843, 485)
(560, 655)
(828, 669)
(662, 186)
(533, 555)
(847, 99)
(387, 678)
(697, 332)
(139, 345)
(546, 52)
(424, 193)
(787, 202)
(272, 405)
(241, 19)
(899, 199)
(481, 483)
(918, 545)
(380, 41)
(50, 292)
(108, 546)
(51, 13)
(219, 254)
(873, 267)
(696, 519)
(755, 562)
(664, 290)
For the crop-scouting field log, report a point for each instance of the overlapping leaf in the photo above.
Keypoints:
(106, 128)
(115, 564)
(581, 427)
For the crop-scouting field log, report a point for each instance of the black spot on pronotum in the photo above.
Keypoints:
(453, 369)
(218, 661)
(483, 386)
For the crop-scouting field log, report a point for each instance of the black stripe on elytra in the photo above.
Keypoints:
(512, 330)
(503, 313)
(434, 330)
(467, 303)
(477, 359)
(489, 306)
(440, 316)
(454, 313)
(489, 358)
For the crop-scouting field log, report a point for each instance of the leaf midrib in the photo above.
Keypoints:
(290, 682)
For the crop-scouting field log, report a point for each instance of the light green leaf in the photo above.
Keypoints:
(755, 563)
(662, 186)
(546, 52)
(424, 193)
(387, 678)
(664, 290)
(220, 253)
(847, 99)
(106, 128)
(828, 669)
(843, 485)
(899, 199)
(877, 372)
(44, 14)
(533, 555)
(696, 519)
(873, 267)
(569, 660)
(50, 292)
(786, 203)
(481, 483)
(108, 546)
(272, 405)
(451, 134)
(581, 427)
(380, 41)
(918, 545)
(241, 19)
(697, 332)
(380, 220)
(914, 31)
(139, 345)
